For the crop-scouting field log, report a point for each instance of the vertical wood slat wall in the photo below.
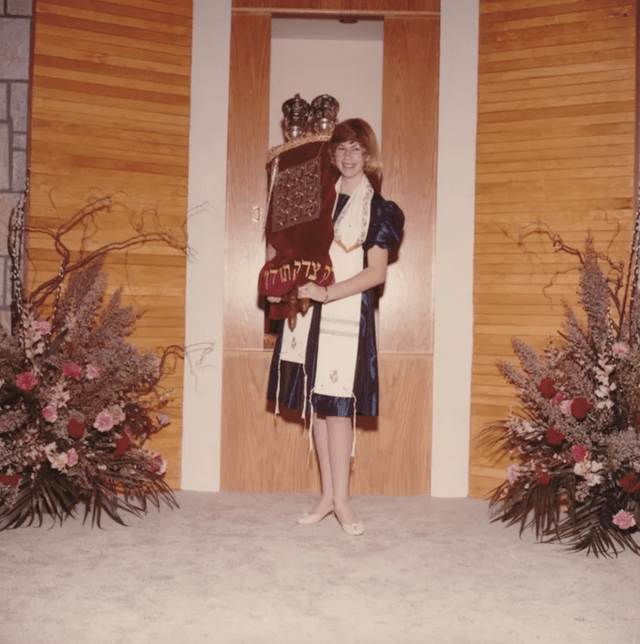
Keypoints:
(556, 144)
(110, 114)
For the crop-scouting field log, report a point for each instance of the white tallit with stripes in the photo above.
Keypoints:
(340, 319)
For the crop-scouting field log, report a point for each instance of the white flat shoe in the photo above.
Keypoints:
(308, 519)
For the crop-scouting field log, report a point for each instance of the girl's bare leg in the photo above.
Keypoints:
(340, 436)
(321, 441)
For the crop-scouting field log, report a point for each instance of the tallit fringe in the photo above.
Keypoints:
(311, 424)
(304, 401)
(277, 411)
(353, 442)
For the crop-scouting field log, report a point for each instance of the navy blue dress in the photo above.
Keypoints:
(385, 228)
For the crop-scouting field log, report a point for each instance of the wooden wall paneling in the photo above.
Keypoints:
(409, 147)
(128, 20)
(516, 15)
(244, 390)
(110, 115)
(246, 178)
(379, 8)
(556, 144)
(261, 452)
(395, 457)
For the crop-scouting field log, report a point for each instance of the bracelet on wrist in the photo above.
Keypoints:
(326, 295)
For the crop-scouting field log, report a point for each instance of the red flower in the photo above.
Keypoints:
(579, 453)
(75, 428)
(554, 436)
(9, 479)
(72, 369)
(630, 483)
(26, 381)
(579, 407)
(122, 445)
(543, 478)
(547, 388)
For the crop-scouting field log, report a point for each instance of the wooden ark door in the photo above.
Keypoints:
(264, 452)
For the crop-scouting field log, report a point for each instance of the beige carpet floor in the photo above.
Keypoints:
(234, 568)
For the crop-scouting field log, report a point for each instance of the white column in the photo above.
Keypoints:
(454, 247)
(206, 229)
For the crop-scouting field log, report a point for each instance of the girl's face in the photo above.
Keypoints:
(350, 158)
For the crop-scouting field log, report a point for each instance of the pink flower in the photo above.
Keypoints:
(50, 414)
(104, 421)
(624, 520)
(92, 372)
(72, 457)
(42, 326)
(619, 349)
(72, 369)
(579, 453)
(565, 406)
(158, 464)
(26, 381)
(558, 398)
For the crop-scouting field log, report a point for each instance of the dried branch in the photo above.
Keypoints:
(67, 267)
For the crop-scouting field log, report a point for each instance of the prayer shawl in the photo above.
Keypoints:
(340, 319)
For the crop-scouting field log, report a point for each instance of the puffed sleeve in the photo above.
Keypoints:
(385, 226)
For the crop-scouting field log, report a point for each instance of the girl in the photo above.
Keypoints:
(328, 363)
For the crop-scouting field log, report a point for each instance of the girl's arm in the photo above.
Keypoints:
(373, 275)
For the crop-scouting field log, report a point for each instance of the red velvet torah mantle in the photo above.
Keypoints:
(299, 220)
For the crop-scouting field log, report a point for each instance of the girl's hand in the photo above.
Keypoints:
(313, 292)
(274, 299)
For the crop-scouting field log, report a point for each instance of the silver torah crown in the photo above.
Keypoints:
(296, 117)
(324, 113)
(301, 119)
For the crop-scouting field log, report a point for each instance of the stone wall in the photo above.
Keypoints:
(15, 39)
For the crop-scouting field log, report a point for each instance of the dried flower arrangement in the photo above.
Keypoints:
(575, 435)
(77, 400)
